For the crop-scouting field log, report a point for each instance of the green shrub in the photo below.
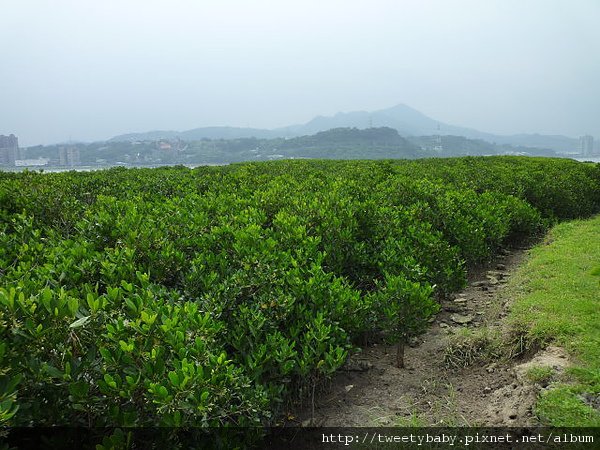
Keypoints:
(207, 297)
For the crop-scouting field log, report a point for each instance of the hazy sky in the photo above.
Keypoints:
(89, 70)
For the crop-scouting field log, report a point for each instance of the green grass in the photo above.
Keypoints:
(557, 299)
(540, 374)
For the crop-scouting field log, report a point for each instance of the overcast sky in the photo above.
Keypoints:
(89, 70)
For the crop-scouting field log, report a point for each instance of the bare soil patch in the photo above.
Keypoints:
(435, 388)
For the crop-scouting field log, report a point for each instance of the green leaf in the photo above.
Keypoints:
(131, 305)
(148, 318)
(73, 305)
(177, 418)
(174, 378)
(126, 347)
(127, 286)
(79, 389)
(8, 297)
(110, 381)
(204, 397)
(162, 391)
(80, 322)
(52, 371)
(47, 298)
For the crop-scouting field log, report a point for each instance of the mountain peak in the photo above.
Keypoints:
(402, 106)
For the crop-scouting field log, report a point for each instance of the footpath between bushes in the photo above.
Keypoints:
(520, 346)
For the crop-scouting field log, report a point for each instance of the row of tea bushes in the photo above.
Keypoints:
(212, 296)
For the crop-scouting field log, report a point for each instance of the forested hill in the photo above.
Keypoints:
(338, 143)
(348, 143)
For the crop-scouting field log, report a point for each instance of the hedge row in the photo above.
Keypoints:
(212, 296)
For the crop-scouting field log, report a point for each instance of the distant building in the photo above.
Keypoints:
(586, 145)
(68, 156)
(437, 143)
(9, 150)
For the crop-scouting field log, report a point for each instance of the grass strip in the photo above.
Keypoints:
(557, 300)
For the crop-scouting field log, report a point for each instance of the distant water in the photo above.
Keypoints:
(595, 159)
(47, 169)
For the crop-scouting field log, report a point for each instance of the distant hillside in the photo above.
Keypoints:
(348, 143)
(406, 120)
(553, 142)
(462, 146)
(198, 134)
(146, 136)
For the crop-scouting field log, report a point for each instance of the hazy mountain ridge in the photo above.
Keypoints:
(197, 134)
(406, 120)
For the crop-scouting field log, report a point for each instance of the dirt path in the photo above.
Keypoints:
(371, 391)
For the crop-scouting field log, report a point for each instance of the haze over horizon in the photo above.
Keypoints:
(88, 71)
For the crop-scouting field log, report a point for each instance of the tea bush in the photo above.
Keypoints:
(209, 297)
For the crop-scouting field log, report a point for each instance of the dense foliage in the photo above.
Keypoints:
(210, 296)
